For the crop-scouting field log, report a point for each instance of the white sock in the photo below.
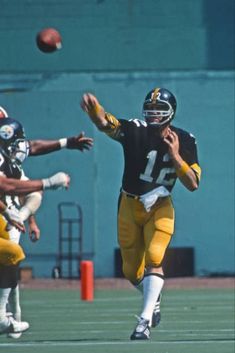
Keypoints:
(140, 288)
(152, 286)
(14, 303)
(4, 294)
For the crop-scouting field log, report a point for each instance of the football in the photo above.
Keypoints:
(49, 40)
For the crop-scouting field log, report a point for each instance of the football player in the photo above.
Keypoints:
(39, 147)
(155, 155)
(11, 254)
(13, 151)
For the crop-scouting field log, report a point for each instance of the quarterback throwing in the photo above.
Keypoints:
(155, 155)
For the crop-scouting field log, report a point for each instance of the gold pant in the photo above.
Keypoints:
(143, 236)
(10, 253)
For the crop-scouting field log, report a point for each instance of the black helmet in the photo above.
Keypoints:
(13, 144)
(159, 107)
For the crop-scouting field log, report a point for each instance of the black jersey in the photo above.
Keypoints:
(10, 170)
(147, 162)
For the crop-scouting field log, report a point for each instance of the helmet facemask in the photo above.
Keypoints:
(18, 151)
(157, 108)
(156, 115)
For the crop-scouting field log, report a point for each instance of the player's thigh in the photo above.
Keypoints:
(131, 241)
(158, 232)
(130, 234)
(10, 253)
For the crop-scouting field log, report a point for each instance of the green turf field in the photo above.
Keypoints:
(193, 321)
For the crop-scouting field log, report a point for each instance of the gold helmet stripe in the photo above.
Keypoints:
(155, 94)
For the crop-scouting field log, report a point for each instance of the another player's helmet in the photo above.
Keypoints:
(159, 107)
(3, 113)
(13, 145)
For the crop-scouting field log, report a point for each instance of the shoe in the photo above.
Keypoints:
(13, 326)
(142, 330)
(13, 335)
(156, 318)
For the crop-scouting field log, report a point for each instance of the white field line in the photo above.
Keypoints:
(108, 343)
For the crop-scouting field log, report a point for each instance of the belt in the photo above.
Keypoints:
(132, 196)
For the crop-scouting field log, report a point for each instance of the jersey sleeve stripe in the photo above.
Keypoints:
(197, 170)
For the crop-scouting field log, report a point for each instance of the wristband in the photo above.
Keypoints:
(183, 169)
(46, 184)
(63, 142)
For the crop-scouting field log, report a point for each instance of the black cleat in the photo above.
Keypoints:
(156, 318)
(142, 330)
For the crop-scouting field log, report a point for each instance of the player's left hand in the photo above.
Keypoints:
(80, 142)
(34, 232)
(172, 141)
(13, 219)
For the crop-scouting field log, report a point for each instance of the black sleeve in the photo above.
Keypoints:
(188, 149)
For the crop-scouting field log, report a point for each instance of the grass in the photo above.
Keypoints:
(193, 321)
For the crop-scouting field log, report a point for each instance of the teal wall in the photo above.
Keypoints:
(205, 219)
(119, 50)
(119, 35)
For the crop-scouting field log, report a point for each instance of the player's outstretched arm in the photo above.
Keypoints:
(79, 142)
(10, 186)
(96, 112)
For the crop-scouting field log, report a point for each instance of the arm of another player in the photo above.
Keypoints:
(185, 173)
(79, 142)
(10, 186)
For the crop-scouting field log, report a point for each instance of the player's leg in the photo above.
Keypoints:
(131, 241)
(154, 280)
(13, 306)
(14, 303)
(14, 309)
(8, 280)
(157, 235)
(10, 255)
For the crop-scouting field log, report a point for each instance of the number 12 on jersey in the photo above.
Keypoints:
(162, 177)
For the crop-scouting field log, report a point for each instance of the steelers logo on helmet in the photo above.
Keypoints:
(13, 145)
(159, 107)
(6, 132)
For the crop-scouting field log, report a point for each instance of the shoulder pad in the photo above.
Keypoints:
(138, 122)
(183, 133)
